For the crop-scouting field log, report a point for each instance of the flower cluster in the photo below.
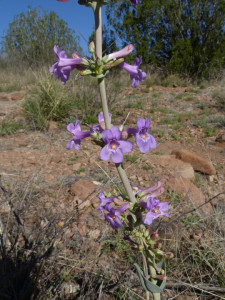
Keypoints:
(113, 215)
(115, 140)
(97, 68)
(145, 199)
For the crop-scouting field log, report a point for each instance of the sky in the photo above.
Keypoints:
(78, 17)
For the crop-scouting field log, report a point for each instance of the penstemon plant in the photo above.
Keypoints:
(138, 208)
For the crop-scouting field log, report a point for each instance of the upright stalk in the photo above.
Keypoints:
(98, 29)
(156, 296)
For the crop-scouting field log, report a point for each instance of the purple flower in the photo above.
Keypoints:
(115, 147)
(144, 140)
(122, 53)
(104, 201)
(101, 126)
(113, 216)
(78, 135)
(133, 1)
(153, 191)
(64, 65)
(136, 74)
(155, 209)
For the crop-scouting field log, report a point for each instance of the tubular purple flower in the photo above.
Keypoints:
(64, 65)
(133, 1)
(104, 201)
(101, 126)
(144, 140)
(115, 147)
(155, 209)
(78, 136)
(113, 216)
(122, 53)
(136, 74)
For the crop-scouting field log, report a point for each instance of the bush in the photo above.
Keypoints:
(10, 127)
(219, 96)
(48, 102)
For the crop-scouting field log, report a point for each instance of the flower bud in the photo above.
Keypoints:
(140, 247)
(154, 236)
(91, 47)
(161, 277)
(169, 254)
(158, 245)
(124, 135)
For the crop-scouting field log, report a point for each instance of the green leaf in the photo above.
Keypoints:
(148, 285)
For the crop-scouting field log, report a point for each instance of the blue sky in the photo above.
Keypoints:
(78, 17)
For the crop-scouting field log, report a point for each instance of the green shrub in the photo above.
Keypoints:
(219, 96)
(49, 101)
(10, 127)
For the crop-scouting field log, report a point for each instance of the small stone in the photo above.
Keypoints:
(194, 194)
(56, 158)
(76, 166)
(4, 208)
(82, 188)
(53, 127)
(61, 224)
(4, 97)
(49, 177)
(94, 234)
(15, 96)
(198, 163)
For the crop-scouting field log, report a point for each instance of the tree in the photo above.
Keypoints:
(186, 36)
(109, 40)
(32, 36)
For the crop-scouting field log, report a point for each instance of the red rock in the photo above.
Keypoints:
(53, 126)
(17, 96)
(193, 194)
(197, 162)
(220, 140)
(82, 188)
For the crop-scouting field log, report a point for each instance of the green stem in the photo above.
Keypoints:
(98, 29)
(156, 296)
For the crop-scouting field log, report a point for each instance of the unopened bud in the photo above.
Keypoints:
(117, 62)
(161, 277)
(102, 125)
(91, 47)
(158, 245)
(86, 72)
(140, 247)
(169, 254)
(154, 236)
(124, 135)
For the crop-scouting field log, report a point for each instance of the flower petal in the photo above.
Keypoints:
(116, 133)
(117, 156)
(125, 146)
(107, 136)
(105, 153)
(148, 218)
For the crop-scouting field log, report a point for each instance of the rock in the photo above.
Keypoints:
(76, 166)
(4, 208)
(56, 158)
(4, 97)
(197, 162)
(82, 188)
(220, 140)
(176, 166)
(194, 194)
(15, 96)
(53, 127)
(94, 234)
